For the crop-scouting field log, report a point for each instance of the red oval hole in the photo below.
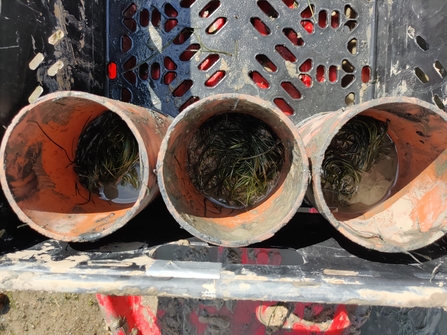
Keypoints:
(260, 26)
(291, 90)
(131, 77)
(209, 9)
(130, 24)
(169, 64)
(306, 66)
(155, 71)
(308, 12)
(366, 74)
(333, 73)
(320, 73)
(126, 43)
(182, 88)
(322, 19)
(144, 17)
(144, 71)
(156, 18)
(283, 106)
(126, 95)
(217, 25)
(111, 70)
(170, 11)
(208, 62)
(306, 79)
(170, 24)
(189, 52)
(215, 79)
(130, 11)
(267, 8)
(290, 3)
(186, 3)
(266, 63)
(285, 53)
(183, 36)
(293, 36)
(259, 80)
(188, 103)
(130, 63)
(335, 19)
(308, 26)
(169, 77)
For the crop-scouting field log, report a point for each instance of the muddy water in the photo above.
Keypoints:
(126, 194)
(374, 186)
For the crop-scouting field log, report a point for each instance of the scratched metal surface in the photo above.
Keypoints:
(26, 27)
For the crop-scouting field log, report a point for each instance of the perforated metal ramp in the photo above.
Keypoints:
(292, 53)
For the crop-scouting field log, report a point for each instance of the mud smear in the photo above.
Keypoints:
(32, 176)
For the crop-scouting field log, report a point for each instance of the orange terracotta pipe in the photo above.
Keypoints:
(37, 176)
(415, 213)
(224, 226)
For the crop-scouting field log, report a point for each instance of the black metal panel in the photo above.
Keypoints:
(26, 28)
(346, 46)
(412, 50)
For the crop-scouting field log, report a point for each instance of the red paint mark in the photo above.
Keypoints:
(130, 308)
